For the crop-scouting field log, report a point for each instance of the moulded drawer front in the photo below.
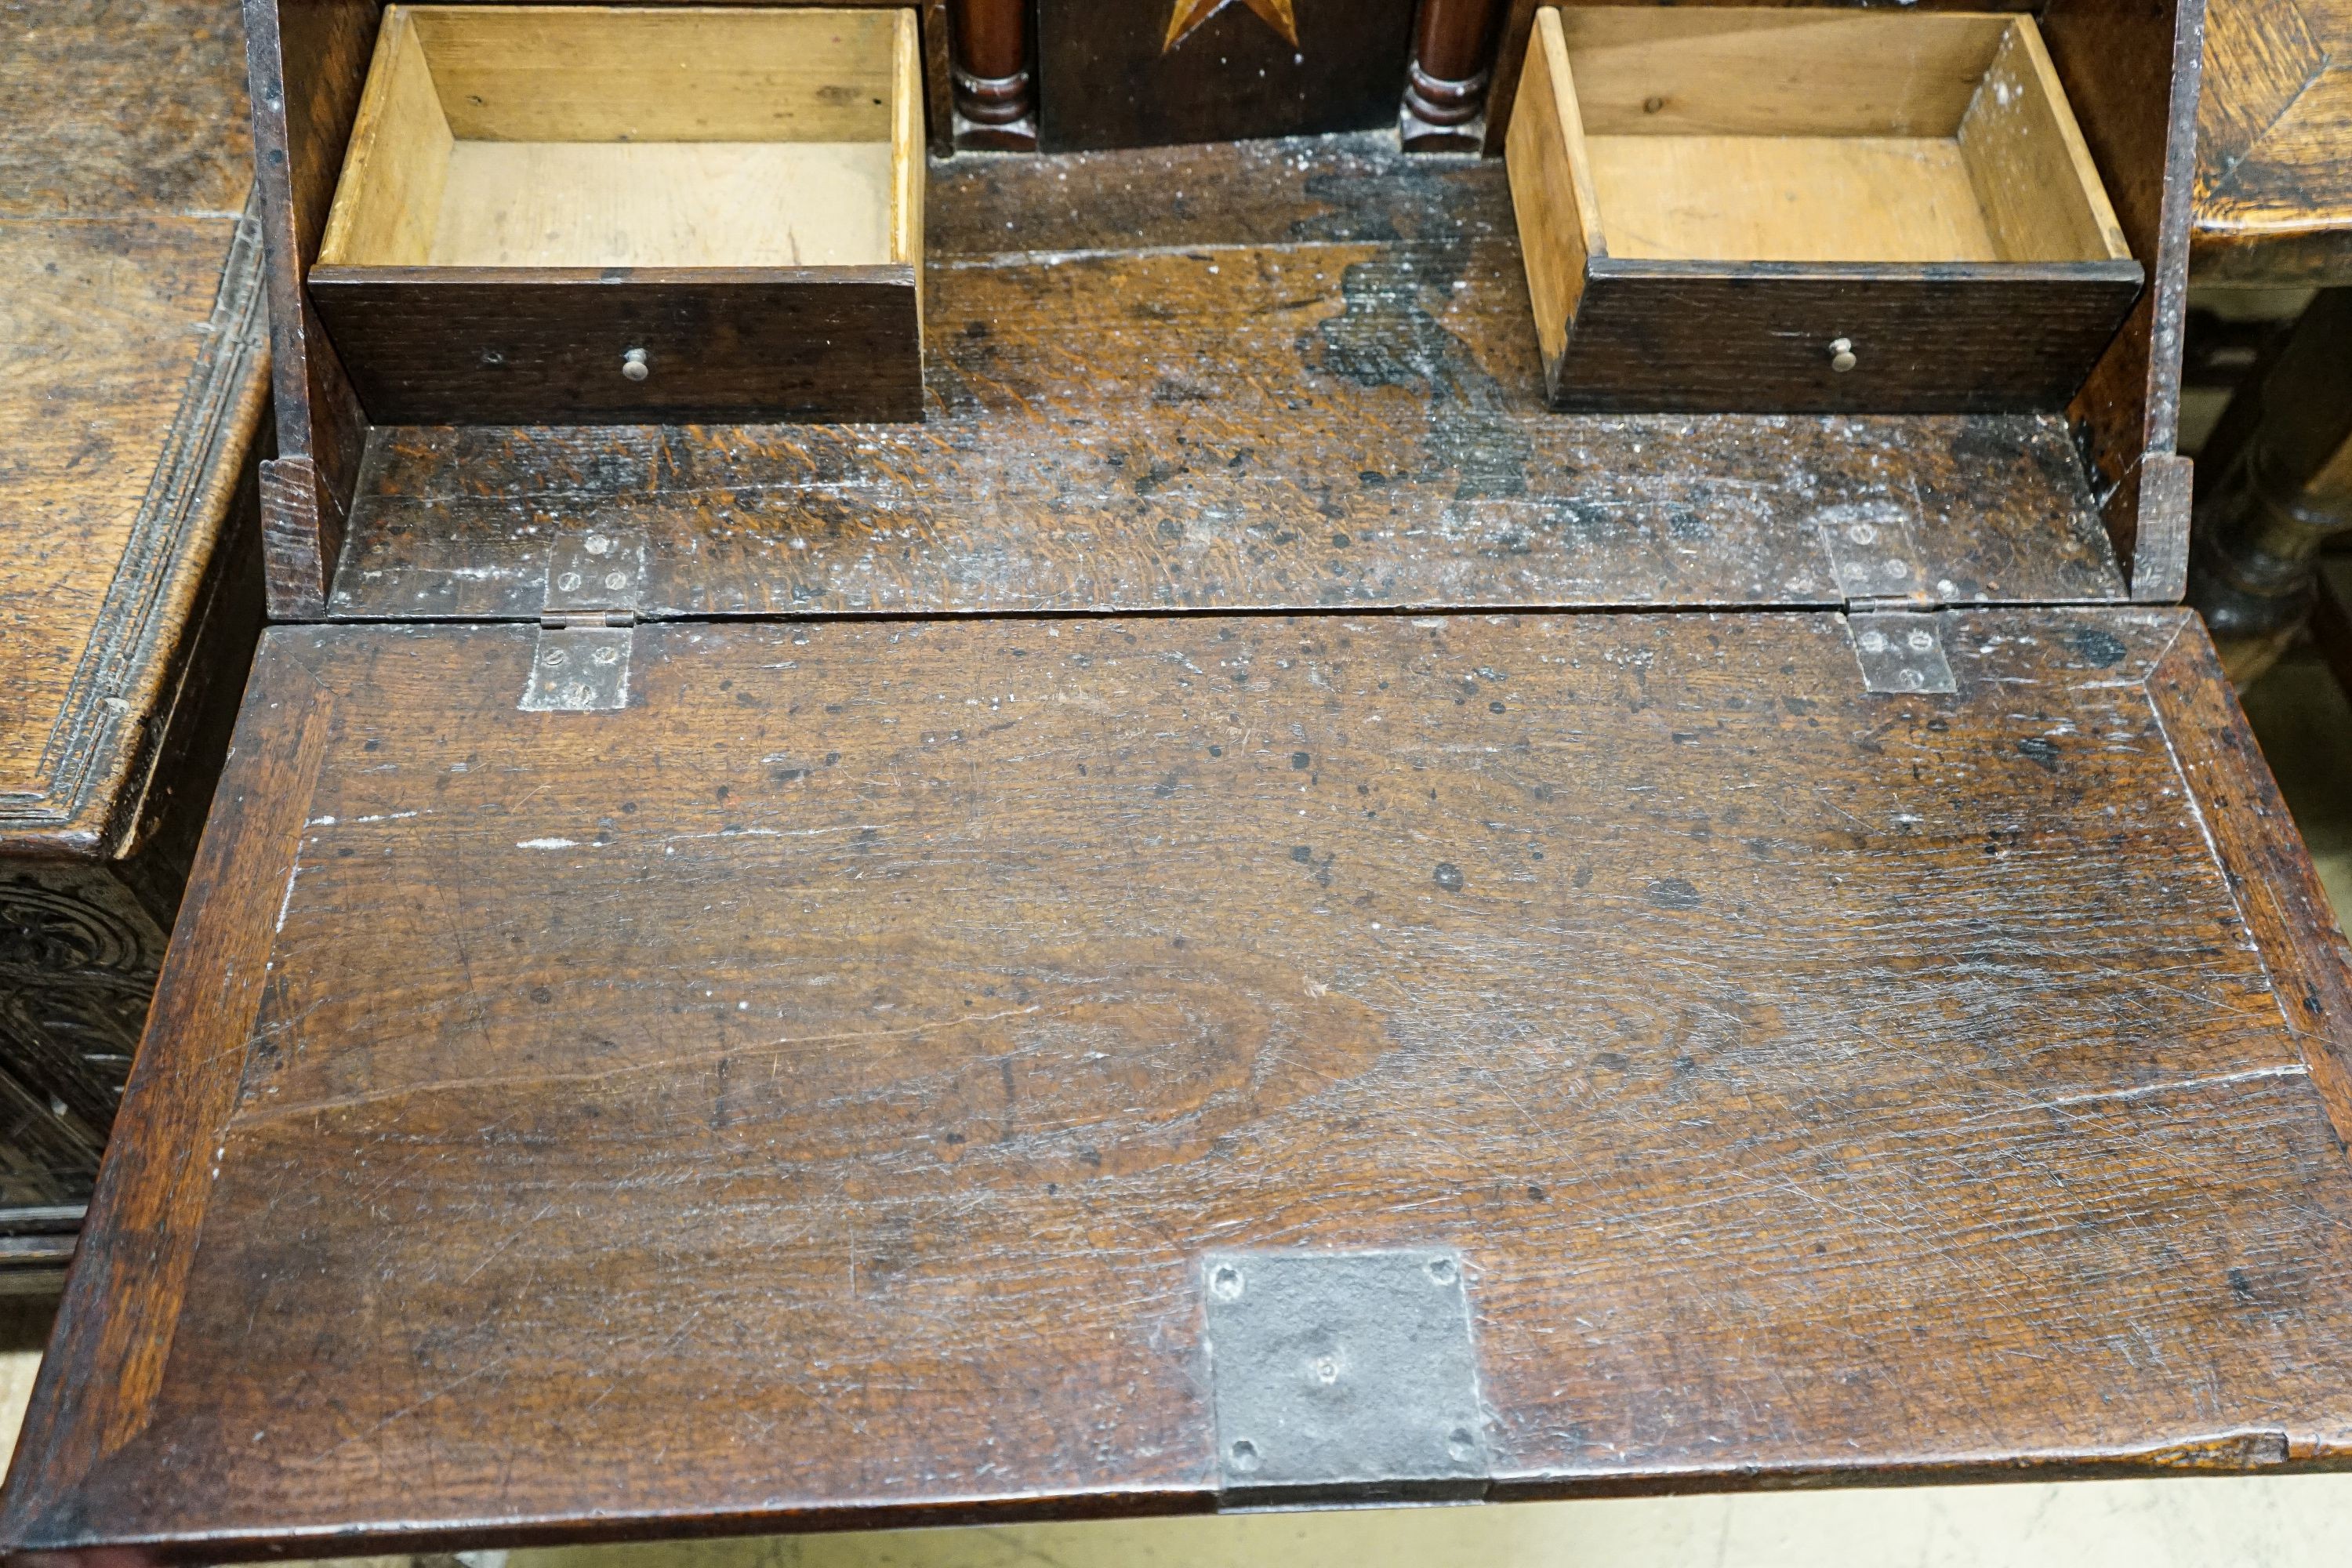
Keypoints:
(1817, 339)
(583, 347)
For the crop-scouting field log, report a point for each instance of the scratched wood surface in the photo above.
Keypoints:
(115, 229)
(1274, 375)
(804, 1096)
(132, 371)
(2274, 144)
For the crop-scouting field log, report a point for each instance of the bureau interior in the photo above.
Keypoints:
(580, 136)
(1809, 135)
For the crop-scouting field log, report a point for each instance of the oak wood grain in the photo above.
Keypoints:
(508, 344)
(1760, 336)
(1286, 375)
(132, 373)
(802, 1096)
(2274, 144)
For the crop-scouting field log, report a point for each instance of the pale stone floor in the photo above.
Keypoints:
(2268, 1522)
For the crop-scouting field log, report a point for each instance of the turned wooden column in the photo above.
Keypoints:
(1445, 82)
(994, 106)
(2278, 487)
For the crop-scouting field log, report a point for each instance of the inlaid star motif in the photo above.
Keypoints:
(1191, 14)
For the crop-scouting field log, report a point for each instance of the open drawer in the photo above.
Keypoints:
(1800, 208)
(567, 214)
(834, 1087)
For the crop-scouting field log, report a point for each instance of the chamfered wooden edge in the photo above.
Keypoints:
(105, 1361)
(298, 137)
(103, 741)
(2314, 254)
(2262, 856)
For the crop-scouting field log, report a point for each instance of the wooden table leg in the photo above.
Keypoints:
(995, 109)
(1446, 83)
(2275, 486)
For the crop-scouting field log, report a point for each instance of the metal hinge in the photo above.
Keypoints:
(1343, 1377)
(587, 623)
(1898, 638)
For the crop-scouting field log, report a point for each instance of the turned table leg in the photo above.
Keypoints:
(2275, 485)
(1445, 82)
(994, 106)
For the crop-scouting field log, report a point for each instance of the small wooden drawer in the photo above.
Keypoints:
(1809, 210)
(579, 215)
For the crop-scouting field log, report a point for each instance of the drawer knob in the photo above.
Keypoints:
(1841, 354)
(633, 365)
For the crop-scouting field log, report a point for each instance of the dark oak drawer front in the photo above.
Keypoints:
(810, 1093)
(1830, 339)
(565, 347)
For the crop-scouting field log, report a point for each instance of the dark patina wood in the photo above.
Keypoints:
(2275, 207)
(2124, 415)
(1755, 336)
(2131, 72)
(1284, 375)
(547, 345)
(2274, 178)
(309, 61)
(804, 1097)
(131, 381)
(1171, 71)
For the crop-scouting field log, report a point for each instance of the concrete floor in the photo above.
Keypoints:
(2286, 1521)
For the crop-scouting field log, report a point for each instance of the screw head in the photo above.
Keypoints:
(568, 581)
(1442, 1271)
(1873, 642)
(1225, 1282)
(1920, 642)
(1862, 534)
(1245, 1455)
(1462, 1444)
